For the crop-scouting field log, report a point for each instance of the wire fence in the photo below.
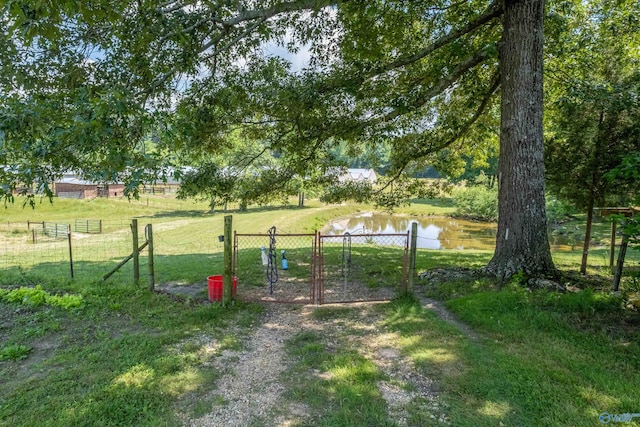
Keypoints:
(59, 254)
(322, 268)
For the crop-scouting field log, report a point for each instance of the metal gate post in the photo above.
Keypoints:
(320, 270)
(235, 253)
(314, 269)
(405, 279)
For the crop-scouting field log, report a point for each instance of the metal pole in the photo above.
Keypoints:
(152, 274)
(313, 268)
(320, 270)
(412, 256)
(346, 259)
(136, 252)
(235, 253)
(70, 250)
(612, 254)
(621, 255)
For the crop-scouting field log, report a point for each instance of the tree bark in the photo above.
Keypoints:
(522, 243)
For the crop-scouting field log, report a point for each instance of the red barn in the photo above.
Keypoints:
(75, 188)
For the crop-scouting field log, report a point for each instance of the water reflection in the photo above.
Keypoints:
(433, 233)
(440, 233)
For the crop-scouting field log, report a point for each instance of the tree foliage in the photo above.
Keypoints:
(593, 109)
(412, 76)
(422, 78)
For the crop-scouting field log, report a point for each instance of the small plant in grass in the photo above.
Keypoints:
(519, 279)
(35, 297)
(14, 352)
(230, 342)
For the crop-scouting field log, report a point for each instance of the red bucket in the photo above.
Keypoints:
(215, 287)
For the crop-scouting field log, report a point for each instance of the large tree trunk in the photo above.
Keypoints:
(522, 243)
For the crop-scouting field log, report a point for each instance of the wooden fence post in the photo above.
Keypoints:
(136, 252)
(227, 278)
(152, 276)
(412, 256)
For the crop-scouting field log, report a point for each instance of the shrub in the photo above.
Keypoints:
(478, 203)
(32, 297)
(557, 210)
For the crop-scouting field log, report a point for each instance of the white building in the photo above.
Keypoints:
(359, 175)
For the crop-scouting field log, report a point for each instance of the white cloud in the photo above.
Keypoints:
(299, 60)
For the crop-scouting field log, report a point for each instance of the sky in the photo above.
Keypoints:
(298, 60)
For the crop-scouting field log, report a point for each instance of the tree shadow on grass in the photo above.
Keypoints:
(427, 259)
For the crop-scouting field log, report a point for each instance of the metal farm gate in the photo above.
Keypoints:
(320, 269)
(262, 278)
(362, 267)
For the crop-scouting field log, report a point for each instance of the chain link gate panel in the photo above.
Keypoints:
(258, 265)
(362, 267)
(321, 269)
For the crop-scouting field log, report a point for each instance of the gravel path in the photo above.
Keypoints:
(253, 393)
(254, 388)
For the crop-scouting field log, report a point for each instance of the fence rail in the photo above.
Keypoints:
(88, 226)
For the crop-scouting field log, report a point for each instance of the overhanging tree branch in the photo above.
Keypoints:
(440, 86)
(493, 11)
(495, 84)
(430, 148)
(235, 40)
(280, 8)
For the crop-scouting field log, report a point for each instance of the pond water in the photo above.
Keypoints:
(433, 232)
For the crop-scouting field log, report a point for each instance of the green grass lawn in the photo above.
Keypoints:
(79, 352)
(542, 359)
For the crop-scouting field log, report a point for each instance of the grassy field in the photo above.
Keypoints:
(79, 352)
